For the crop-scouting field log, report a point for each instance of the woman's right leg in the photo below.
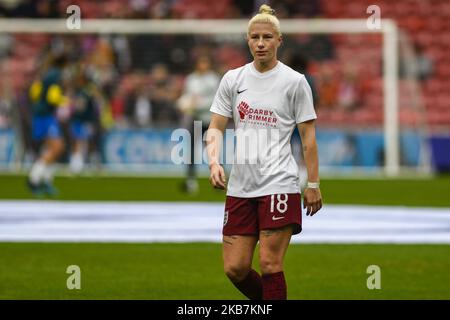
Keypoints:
(77, 157)
(237, 258)
(41, 174)
(190, 185)
(45, 129)
(54, 147)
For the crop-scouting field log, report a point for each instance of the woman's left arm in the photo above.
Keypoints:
(312, 198)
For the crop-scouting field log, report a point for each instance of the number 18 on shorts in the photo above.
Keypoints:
(248, 216)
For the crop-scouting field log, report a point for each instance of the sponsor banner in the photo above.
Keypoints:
(440, 151)
(138, 146)
(169, 148)
(164, 149)
(362, 149)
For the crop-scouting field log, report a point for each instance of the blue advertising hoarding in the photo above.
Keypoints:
(7, 139)
(336, 147)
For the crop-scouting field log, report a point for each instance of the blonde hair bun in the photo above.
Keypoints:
(265, 15)
(265, 9)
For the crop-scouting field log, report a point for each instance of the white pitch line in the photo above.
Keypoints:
(51, 221)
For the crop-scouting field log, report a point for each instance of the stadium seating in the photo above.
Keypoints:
(427, 23)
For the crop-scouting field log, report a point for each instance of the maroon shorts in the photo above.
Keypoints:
(250, 215)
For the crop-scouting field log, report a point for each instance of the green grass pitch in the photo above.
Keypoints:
(194, 270)
(401, 192)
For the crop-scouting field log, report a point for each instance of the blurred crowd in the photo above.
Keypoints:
(137, 81)
(157, 9)
(133, 85)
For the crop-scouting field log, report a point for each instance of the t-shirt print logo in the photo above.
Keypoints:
(257, 115)
(243, 109)
(276, 218)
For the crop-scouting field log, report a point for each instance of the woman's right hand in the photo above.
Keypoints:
(217, 176)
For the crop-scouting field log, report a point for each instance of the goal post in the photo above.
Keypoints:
(388, 31)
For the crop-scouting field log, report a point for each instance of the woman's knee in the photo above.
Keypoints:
(270, 264)
(60, 145)
(56, 148)
(236, 272)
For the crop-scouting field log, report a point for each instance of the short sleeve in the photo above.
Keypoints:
(222, 100)
(303, 102)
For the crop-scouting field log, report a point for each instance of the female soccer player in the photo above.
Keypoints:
(200, 88)
(46, 95)
(83, 120)
(266, 100)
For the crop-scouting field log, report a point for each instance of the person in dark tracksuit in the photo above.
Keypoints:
(83, 119)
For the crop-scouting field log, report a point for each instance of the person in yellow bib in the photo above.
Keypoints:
(46, 95)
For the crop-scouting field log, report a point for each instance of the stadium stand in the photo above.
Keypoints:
(349, 85)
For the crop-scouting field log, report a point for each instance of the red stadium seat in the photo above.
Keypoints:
(408, 117)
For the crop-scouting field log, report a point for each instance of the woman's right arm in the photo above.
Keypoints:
(214, 140)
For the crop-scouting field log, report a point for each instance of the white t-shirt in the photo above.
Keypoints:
(265, 108)
(203, 87)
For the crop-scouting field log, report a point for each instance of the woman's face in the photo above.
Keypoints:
(203, 64)
(263, 41)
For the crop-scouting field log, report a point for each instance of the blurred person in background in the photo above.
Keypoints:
(199, 90)
(268, 99)
(300, 63)
(46, 95)
(101, 67)
(83, 119)
(424, 63)
(349, 92)
(138, 107)
(163, 96)
(5, 112)
(328, 87)
(6, 103)
(295, 8)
